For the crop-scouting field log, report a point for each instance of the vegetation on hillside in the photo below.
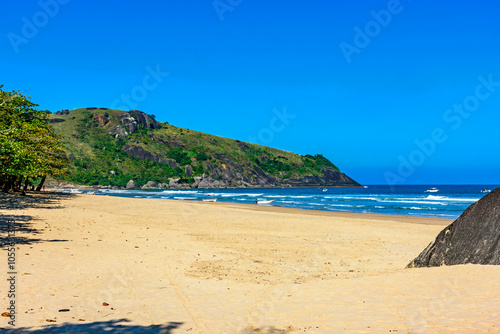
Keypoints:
(100, 158)
(29, 148)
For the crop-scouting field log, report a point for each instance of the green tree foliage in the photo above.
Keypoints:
(202, 156)
(273, 166)
(180, 156)
(29, 149)
(318, 161)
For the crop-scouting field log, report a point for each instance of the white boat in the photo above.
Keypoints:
(210, 200)
(432, 190)
(263, 201)
(484, 190)
(324, 189)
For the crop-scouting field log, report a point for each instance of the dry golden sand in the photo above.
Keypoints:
(192, 267)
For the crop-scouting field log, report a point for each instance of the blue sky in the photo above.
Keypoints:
(398, 92)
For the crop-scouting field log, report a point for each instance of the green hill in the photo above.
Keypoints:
(112, 147)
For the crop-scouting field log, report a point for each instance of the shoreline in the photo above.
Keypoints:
(305, 206)
(321, 213)
(234, 268)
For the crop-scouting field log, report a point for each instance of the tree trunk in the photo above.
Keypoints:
(9, 184)
(26, 182)
(17, 183)
(42, 181)
(5, 186)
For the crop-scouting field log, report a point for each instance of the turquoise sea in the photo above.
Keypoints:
(448, 202)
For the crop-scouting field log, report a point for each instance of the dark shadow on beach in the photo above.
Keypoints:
(38, 200)
(22, 224)
(111, 327)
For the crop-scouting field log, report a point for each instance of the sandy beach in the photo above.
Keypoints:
(160, 266)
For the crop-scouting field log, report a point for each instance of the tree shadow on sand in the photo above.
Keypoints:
(38, 200)
(22, 224)
(111, 327)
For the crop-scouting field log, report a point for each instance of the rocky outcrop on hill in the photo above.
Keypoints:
(473, 238)
(101, 119)
(330, 178)
(131, 121)
(142, 154)
(135, 118)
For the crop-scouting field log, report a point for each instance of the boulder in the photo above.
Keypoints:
(171, 162)
(144, 119)
(150, 184)
(142, 154)
(125, 118)
(131, 184)
(173, 183)
(473, 238)
(101, 119)
(189, 170)
(206, 183)
(118, 132)
(132, 127)
(162, 185)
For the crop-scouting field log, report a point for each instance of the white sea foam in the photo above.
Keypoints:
(240, 195)
(454, 199)
(345, 205)
(189, 192)
(396, 201)
(418, 208)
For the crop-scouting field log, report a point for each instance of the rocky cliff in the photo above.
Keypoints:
(112, 147)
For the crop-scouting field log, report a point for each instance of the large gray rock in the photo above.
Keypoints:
(132, 127)
(473, 238)
(142, 154)
(189, 170)
(118, 132)
(173, 183)
(131, 121)
(131, 184)
(150, 184)
(143, 119)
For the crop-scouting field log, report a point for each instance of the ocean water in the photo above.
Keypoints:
(449, 202)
